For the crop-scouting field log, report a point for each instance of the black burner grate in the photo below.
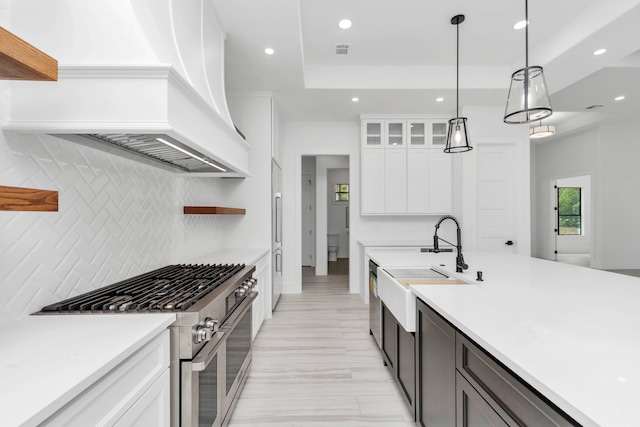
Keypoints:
(168, 289)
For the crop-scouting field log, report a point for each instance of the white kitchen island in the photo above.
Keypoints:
(572, 333)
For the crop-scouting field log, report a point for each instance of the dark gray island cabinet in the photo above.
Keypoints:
(398, 349)
(459, 384)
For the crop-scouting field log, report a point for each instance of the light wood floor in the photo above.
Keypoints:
(315, 364)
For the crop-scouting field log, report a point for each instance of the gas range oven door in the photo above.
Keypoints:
(237, 329)
(202, 385)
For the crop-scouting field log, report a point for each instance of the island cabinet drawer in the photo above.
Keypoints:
(509, 396)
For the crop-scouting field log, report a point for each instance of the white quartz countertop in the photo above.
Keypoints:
(573, 333)
(47, 360)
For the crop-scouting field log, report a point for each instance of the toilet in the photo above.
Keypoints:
(333, 241)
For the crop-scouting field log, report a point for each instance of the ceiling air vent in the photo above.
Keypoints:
(594, 106)
(342, 49)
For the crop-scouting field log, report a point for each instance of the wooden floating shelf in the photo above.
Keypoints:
(212, 210)
(28, 199)
(21, 61)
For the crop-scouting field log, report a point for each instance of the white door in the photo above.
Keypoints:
(308, 222)
(496, 180)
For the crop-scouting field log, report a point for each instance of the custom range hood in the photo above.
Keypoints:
(139, 78)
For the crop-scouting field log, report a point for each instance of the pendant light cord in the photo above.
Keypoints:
(526, 58)
(526, 34)
(457, 68)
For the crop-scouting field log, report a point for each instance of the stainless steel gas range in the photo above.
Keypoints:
(210, 339)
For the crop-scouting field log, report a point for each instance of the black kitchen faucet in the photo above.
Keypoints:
(460, 264)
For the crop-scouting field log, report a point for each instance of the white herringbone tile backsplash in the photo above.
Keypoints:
(117, 218)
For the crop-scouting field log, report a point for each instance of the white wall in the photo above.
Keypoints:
(619, 232)
(576, 244)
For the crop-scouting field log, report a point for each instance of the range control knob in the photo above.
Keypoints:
(241, 292)
(201, 334)
(211, 324)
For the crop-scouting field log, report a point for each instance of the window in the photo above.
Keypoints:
(342, 192)
(569, 211)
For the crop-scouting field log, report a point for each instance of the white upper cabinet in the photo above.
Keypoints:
(396, 133)
(438, 133)
(418, 133)
(372, 132)
(395, 180)
(408, 173)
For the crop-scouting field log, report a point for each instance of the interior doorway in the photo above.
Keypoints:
(572, 231)
(325, 212)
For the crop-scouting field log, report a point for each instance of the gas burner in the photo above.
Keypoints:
(172, 288)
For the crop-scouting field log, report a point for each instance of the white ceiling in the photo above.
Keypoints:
(402, 55)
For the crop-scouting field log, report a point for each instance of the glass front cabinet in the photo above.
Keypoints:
(403, 167)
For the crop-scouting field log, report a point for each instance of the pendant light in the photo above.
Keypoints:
(457, 136)
(528, 99)
(542, 131)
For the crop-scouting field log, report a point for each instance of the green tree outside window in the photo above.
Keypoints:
(569, 211)
(342, 192)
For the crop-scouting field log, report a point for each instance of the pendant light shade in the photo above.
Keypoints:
(458, 135)
(528, 98)
(542, 131)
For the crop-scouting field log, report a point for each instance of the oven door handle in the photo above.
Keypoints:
(244, 306)
(206, 355)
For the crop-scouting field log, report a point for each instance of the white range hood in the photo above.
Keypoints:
(139, 78)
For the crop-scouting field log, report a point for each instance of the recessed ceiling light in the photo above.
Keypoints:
(439, 99)
(269, 51)
(520, 25)
(355, 99)
(599, 51)
(345, 24)
(618, 98)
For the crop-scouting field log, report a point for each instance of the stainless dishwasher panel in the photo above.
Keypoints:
(375, 321)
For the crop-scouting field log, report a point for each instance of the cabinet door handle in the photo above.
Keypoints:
(347, 217)
(509, 243)
(278, 219)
